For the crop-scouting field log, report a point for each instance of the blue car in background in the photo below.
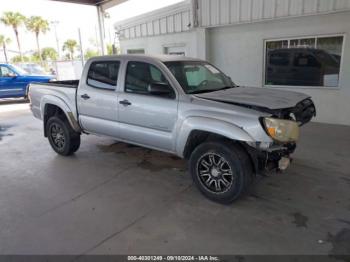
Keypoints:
(14, 81)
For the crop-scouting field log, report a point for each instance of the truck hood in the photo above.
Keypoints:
(259, 97)
(279, 103)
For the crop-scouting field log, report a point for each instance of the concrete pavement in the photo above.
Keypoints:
(113, 198)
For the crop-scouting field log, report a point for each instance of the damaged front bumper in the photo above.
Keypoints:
(277, 157)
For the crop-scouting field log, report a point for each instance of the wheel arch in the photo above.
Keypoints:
(195, 131)
(51, 106)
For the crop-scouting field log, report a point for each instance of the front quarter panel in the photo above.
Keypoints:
(211, 125)
(230, 121)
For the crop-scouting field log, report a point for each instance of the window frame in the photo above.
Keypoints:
(148, 94)
(175, 45)
(108, 62)
(10, 70)
(300, 38)
(135, 49)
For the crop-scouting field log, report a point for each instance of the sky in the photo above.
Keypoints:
(70, 17)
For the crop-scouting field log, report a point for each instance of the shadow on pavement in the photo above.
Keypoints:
(13, 101)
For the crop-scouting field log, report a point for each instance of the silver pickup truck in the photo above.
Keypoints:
(178, 105)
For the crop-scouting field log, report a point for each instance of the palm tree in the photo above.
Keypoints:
(37, 25)
(90, 53)
(49, 53)
(3, 42)
(15, 20)
(70, 45)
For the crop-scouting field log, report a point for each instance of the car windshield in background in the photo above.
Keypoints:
(33, 69)
(20, 70)
(199, 77)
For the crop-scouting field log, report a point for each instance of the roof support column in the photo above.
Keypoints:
(202, 43)
(101, 29)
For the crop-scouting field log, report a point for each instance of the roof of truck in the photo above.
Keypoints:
(161, 58)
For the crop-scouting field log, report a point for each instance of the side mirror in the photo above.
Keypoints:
(229, 78)
(160, 89)
(233, 83)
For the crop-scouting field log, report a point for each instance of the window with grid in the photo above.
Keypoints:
(307, 61)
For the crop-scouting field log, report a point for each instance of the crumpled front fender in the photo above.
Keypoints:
(211, 125)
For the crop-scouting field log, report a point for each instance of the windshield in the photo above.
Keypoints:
(199, 77)
(33, 69)
(19, 70)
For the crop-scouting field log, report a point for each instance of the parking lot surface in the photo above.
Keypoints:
(114, 198)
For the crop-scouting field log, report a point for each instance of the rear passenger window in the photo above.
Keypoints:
(103, 74)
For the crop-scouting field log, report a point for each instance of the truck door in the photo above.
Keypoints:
(8, 83)
(97, 98)
(147, 118)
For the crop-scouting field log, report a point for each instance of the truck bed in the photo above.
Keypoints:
(62, 92)
(65, 83)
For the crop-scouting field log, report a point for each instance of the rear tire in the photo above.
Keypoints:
(63, 139)
(26, 99)
(222, 171)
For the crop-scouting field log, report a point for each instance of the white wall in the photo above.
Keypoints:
(239, 51)
(154, 45)
(68, 70)
(171, 19)
(224, 12)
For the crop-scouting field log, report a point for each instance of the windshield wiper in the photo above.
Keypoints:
(226, 87)
(200, 91)
(210, 90)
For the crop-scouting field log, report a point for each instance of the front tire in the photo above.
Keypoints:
(63, 139)
(222, 171)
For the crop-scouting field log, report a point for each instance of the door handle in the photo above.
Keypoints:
(125, 103)
(85, 97)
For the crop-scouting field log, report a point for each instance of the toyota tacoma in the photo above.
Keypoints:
(179, 105)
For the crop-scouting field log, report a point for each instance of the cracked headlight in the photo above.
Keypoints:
(281, 130)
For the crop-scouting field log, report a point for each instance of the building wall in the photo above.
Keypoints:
(168, 20)
(239, 51)
(224, 12)
(232, 34)
(193, 42)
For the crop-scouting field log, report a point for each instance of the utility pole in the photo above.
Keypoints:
(81, 48)
(97, 41)
(101, 29)
(55, 23)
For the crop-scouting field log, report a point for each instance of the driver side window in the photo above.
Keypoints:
(140, 75)
(6, 72)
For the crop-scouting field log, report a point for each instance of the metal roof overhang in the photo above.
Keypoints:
(104, 4)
